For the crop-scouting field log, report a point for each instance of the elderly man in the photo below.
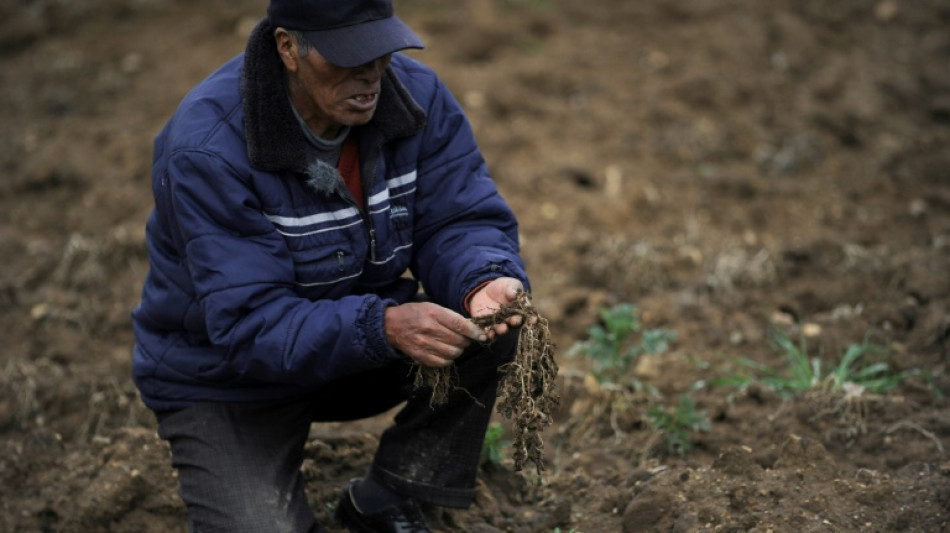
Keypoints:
(304, 193)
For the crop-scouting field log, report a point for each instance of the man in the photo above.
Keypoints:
(303, 194)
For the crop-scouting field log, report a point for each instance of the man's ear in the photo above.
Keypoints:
(287, 49)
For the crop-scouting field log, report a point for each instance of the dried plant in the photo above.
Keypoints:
(527, 393)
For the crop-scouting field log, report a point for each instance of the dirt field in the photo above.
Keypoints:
(729, 166)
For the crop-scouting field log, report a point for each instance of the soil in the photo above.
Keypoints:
(728, 166)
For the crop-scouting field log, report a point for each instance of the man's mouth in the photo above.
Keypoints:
(364, 101)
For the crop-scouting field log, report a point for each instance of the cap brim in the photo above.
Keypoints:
(352, 46)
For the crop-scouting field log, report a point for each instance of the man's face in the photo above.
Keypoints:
(329, 97)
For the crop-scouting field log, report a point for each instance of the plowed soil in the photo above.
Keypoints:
(729, 166)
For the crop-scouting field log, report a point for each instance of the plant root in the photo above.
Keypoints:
(527, 393)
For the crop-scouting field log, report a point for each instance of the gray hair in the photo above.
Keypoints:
(303, 45)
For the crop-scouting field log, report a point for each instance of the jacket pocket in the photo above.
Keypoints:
(325, 265)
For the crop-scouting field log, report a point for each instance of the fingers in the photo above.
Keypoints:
(435, 336)
(514, 287)
(436, 355)
(430, 334)
(499, 329)
(460, 325)
(496, 293)
(504, 290)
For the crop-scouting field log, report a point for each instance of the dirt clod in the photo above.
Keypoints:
(721, 164)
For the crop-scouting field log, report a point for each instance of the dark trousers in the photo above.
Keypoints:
(239, 464)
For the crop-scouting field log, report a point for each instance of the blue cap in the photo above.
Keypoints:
(347, 33)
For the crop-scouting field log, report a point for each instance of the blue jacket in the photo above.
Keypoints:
(263, 287)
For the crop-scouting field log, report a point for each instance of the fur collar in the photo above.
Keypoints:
(274, 139)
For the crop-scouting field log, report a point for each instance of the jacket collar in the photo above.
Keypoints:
(274, 139)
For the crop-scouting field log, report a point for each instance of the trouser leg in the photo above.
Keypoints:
(239, 466)
(239, 463)
(432, 453)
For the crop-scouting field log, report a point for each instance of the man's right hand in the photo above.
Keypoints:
(430, 334)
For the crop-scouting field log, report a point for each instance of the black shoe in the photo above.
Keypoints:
(403, 518)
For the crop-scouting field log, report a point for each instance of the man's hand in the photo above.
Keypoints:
(491, 297)
(430, 334)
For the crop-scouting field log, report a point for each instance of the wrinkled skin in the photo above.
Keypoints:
(435, 336)
(329, 97)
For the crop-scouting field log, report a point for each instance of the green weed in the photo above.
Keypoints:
(805, 372)
(614, 346)
(493, 445)
(678, 424)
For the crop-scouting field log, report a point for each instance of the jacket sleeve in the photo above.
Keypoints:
(243, 281)
(465, 232)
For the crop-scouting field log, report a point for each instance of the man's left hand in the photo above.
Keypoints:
(491, 297)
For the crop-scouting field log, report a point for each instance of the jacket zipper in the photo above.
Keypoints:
(367, 223)
(367, 220)
(372, 240)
